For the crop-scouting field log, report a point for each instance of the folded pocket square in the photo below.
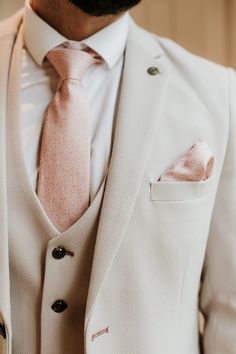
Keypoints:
(195, 165)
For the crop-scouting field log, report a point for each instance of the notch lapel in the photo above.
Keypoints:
(8, 31)
(139, 114)
(6, 46)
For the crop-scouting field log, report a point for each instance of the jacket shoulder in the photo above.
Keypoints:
(11, 24)
(196, 76)
(182, 58)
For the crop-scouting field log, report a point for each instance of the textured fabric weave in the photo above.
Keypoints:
(64, 172)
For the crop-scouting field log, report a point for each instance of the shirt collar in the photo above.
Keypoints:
(109, 42)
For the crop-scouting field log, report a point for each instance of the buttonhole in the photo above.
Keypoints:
(69, 253)
(105, 330)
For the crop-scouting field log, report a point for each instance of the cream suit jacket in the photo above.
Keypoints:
(163, 249)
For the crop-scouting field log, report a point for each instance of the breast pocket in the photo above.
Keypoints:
(173, 191)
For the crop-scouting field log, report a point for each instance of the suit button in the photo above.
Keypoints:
(59, 306)
(153, 70)
(59, 252)
(2, 330)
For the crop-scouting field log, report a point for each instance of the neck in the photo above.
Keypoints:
(69, 20)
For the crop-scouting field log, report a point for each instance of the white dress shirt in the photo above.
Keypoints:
(101, 83)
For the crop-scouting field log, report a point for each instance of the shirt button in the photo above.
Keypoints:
(59, 306)
(59, 252)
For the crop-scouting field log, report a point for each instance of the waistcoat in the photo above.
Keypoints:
(42, 278)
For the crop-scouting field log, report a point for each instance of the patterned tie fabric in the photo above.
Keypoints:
(64, 166)
(195, 165)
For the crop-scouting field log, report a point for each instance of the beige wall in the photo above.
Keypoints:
(232, 29)
(206, 27)
(7, 7)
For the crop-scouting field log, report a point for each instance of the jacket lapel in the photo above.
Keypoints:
(139, 114)
(5, 45)
(8, 30)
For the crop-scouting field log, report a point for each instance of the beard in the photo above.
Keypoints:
(104, 7)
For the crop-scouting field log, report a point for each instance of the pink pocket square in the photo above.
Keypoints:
(195, 165)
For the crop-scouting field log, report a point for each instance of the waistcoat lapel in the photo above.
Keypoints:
(139, 114)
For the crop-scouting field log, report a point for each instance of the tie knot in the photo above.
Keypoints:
(71, 63)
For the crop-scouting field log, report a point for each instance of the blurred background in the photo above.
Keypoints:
(206, 27)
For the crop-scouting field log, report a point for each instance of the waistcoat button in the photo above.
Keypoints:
(59, 306)
(59, 252)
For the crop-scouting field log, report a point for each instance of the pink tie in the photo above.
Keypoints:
(64, 171)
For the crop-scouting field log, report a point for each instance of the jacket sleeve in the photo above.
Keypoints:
(218, 291)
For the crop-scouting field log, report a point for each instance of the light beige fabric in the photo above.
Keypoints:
(150, 252)
(37, 279)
